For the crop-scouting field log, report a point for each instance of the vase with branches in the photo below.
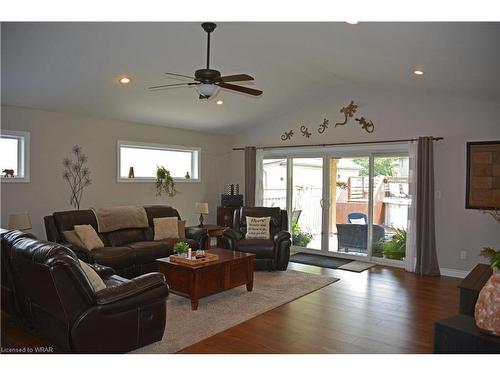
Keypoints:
(77, 175)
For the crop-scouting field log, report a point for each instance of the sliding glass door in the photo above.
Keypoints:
(349, 187)
(307, 202)
(345, 203)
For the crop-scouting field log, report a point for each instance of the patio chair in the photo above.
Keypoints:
(354, 237)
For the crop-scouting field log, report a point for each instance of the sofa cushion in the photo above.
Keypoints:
(160, 211)
(72, 237)
(66, 220)
(88, 236)
(261, 248)
(115, 257)
(148, 251)
(124, 236)
(95, 281)
(258, 227)
(165, 227)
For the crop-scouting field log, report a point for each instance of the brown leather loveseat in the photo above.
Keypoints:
(130, 252)
(55, 295)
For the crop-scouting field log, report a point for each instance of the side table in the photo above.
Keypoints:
(214, 231)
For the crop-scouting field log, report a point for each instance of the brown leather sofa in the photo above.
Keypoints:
(271, 254)
(130, 252)
(54, 295)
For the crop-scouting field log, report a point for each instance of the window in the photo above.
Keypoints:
(182, 162)
(14, 156)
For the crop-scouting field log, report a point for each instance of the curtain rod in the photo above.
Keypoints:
(337, 144)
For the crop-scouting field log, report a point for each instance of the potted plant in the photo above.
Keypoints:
(164, 182)
(181, 248)
(395, 247)
(487, 311)
(300, 237)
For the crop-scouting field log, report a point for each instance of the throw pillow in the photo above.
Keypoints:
(166, 227)
(358, 221)
(258, 227)
(94, 279)
(88, 236)
(181, 226)
(72, 237)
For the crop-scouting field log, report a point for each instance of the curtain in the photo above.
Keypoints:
(411, 251)
(425, 236)
(250, 169)
(259, 187)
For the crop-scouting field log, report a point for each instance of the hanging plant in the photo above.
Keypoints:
(77, 175)
(164, 182)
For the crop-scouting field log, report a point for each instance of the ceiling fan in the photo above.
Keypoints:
(207, 81)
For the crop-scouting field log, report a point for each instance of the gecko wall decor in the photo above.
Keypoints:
(286, 136)
(348, 111)
(305, 131)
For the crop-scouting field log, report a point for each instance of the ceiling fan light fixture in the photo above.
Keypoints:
(206, 89)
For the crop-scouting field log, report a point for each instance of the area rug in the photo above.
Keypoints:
(224, 310)
(319, 260)
(356, 266)
(330, 262)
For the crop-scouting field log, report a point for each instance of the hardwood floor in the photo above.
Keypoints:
(381, 310)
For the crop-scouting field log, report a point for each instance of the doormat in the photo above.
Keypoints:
(330, 262)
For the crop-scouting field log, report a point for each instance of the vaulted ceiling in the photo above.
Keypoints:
(73, 67)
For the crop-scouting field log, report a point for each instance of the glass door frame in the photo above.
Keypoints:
(328, 153)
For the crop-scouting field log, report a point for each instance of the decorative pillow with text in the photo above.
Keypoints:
(258, 228)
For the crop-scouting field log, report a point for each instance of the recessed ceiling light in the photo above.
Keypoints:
(124, 80)
(418, 72)
(352, 22)
(220, 102)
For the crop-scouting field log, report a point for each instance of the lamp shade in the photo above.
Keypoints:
(201, 208)
(206, 89)
(20, 221)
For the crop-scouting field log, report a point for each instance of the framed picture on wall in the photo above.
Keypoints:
(483, 175)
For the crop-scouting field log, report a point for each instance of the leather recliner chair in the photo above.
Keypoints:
(56, 297)
(270, 254)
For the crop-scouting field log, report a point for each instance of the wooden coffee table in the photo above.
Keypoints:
(232, 269)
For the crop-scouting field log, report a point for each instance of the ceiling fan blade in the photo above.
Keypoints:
(172, 85)
(235, 78)
(178, 75)
(246, 90)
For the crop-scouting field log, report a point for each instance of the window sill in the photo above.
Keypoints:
(153, 180)
(15, 180)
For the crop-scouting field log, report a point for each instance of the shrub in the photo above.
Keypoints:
(395, 247)
(300, 237)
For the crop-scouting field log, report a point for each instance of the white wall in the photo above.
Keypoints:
(53, 135)
(399, 115)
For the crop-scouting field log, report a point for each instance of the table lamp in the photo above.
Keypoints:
(201, 208)
(21, 221)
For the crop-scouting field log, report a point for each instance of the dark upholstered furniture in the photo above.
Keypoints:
(271, 254)
(54, 295)
(354, 237)
(459, 334)
(130, 252)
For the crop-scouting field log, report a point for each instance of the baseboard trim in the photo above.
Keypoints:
(461, 274)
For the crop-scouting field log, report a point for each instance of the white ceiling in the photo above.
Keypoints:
(72, 66)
